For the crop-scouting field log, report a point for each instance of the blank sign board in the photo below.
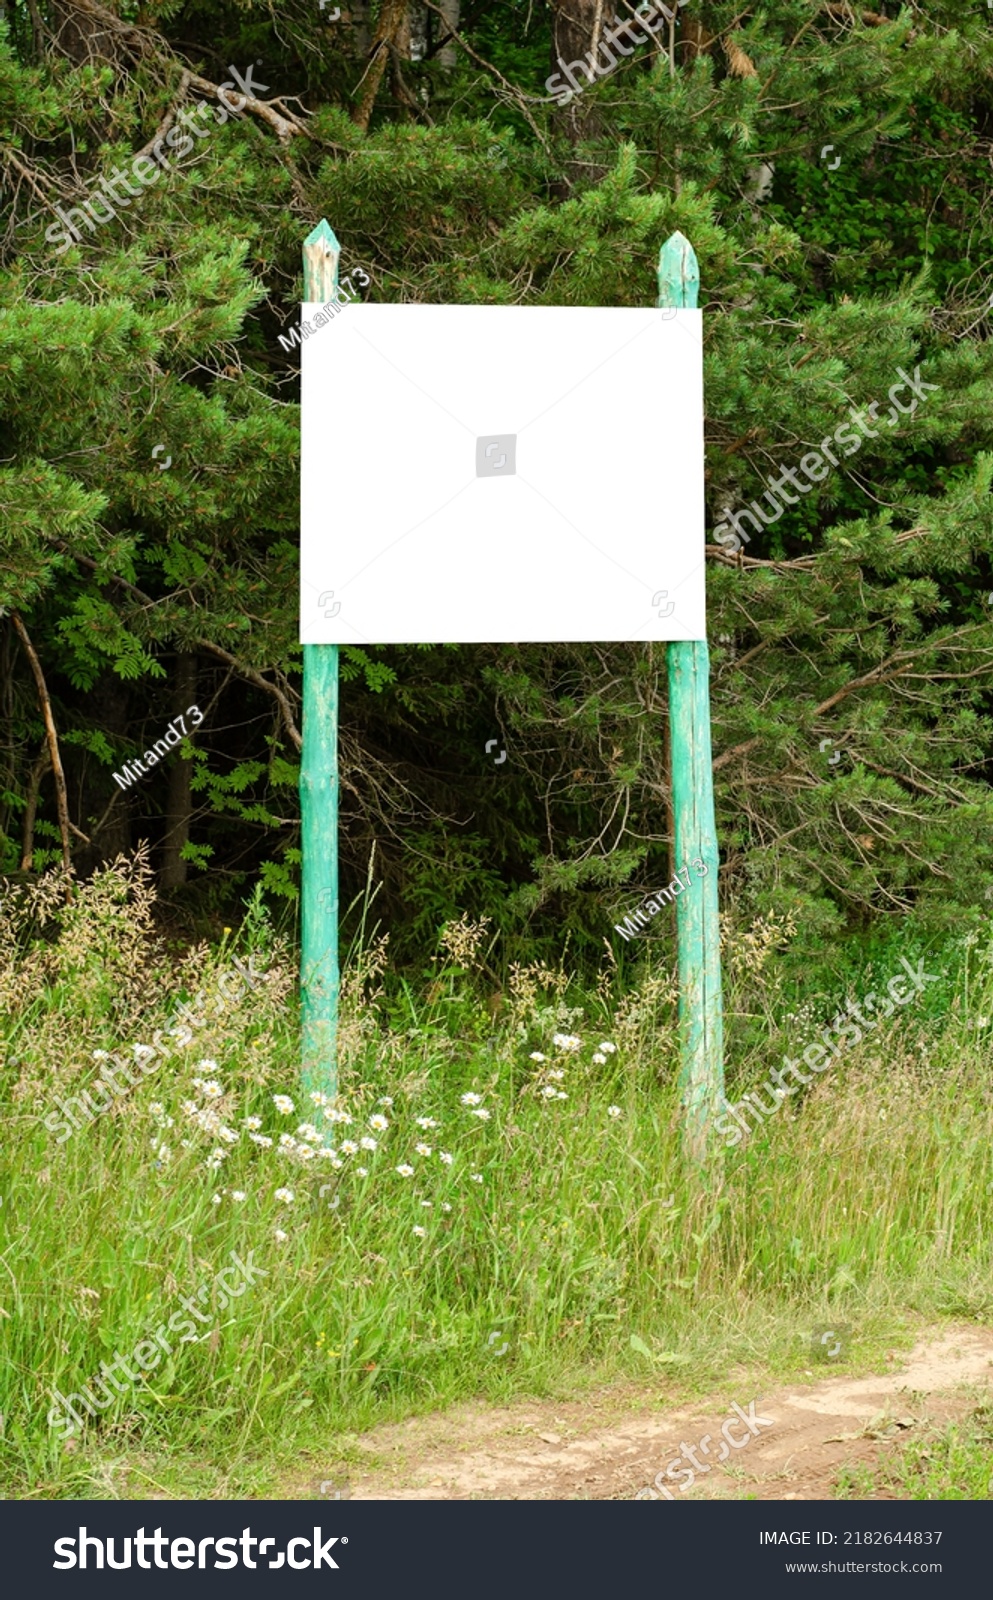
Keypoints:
(502, 473)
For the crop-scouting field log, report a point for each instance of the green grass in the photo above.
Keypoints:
(563, 1228)
(950, 1463)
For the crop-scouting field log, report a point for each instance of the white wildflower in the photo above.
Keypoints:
(283, 1103)
(378, 1124)
(472, 1099)
(362, 1172)
(420, 1233)
(423, 1149)
(536, 1055)
(348, 1147)
(481, 1112)
(405, 1170)
(252, 1123)
(427, 1122)
(238, 1194)
(261, 1139)
(444, 1157)
(284, 1195)
(386, 1100)
(607, 1048)
(280, 1237)
(598, 1059)
(613, 1111)
(368, 1144)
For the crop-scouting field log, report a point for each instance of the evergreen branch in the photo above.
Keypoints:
(250, 674)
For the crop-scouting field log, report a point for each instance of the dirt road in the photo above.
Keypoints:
(610, 1445)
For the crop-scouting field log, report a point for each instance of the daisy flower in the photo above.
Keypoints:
(548, 1093)
(378, 1124)
(333, 1115)
(208, 1064)
(566, 1041)
(280, 1237)
(101, 1055)
(283, 1103)
(252, 1123)
(472, 1099)
(261, 1139)
(284, 1195)
(481, 1112)
(427, 1122)
(305, 1153)
(287, 1141)
(142, 1052)
(319, 1098)
(423, 1149)
(190, 1107)
(405, 1170)
(238, 1194)
(164, 1153)
(428, 1203)
(477, 1177)
(598, 1059)
(348, 1147)
(613, 1111)
(363, 1172)
(327, 1154)
(216, 1200)
(212, 1089)
(561, 1095)
(536, 1055)
(445, 1206)
(156, 1109)
(557, 1074)
(420, 1233)
(444, 1157)
(368, 1144)
(228, 1135)
(607, 1048)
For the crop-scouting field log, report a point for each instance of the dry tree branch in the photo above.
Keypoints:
(61, 803)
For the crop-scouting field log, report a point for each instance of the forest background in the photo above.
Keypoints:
(830, 164)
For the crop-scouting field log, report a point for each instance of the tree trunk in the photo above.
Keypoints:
(179, 804)
(577, 30)
(448, 55)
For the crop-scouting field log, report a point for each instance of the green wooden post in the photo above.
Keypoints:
(701, 1076)
(319, 791)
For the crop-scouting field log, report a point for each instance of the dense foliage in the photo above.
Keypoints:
(857, 622)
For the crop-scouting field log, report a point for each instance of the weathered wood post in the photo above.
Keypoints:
(319, 791)
(701, 1076)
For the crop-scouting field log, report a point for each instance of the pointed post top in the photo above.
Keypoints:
(679, 274)
(321, 254)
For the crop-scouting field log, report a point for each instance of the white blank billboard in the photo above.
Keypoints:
(502, 473)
